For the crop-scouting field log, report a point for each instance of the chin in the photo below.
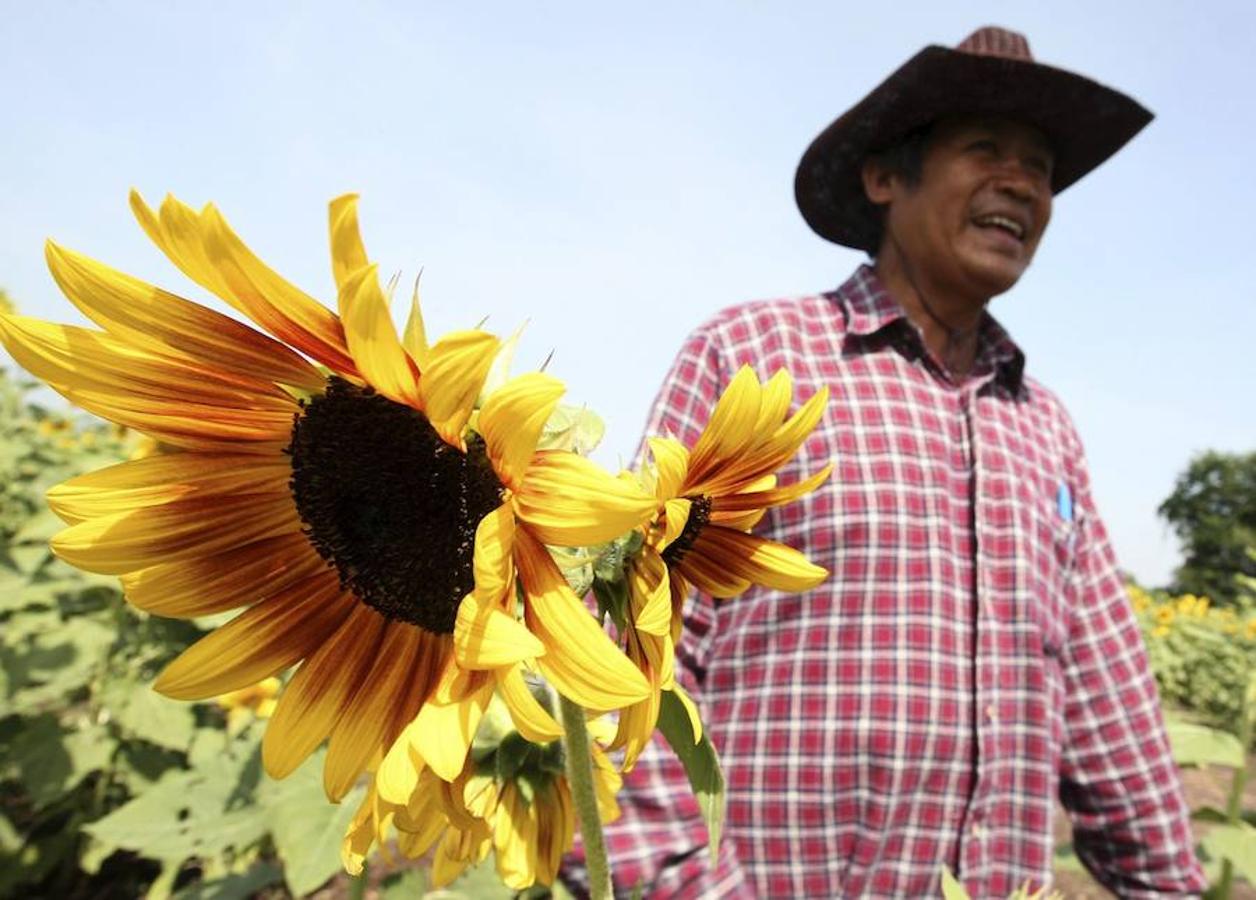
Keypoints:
(994, 276)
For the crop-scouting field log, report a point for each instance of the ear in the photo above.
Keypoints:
(878, 182)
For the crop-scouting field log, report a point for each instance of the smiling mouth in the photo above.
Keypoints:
(1010, 226)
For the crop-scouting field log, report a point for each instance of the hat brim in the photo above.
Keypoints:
(1085, 122)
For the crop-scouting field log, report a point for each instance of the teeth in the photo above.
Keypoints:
(1003, 222)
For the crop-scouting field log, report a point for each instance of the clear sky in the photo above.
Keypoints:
(615, 175)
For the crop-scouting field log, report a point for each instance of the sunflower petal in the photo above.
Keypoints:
(531, 719)
(372, 338)
(321, 690)
(568, 501)
(774, 402)
(187, 528)
(240, 576)
(260, 642)
(511, 421)
(757, 559)
(695, 718)
(456, 368)
(445, 731)
(348, 255)
(149, 317)
(485, 637)
(398, 774)
(414, 339)
(160, 479)
(730, 427)
(369, 724)
(581, 661)
(709, 576)
(671, 462)
(773, 453)
(514, 839)
(752, 500)
(675, 518)
(493, 562)
(83, 359)
(651, 597)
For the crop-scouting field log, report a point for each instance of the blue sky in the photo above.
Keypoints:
(614, 176)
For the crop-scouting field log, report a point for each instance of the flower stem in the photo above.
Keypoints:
(580, 776)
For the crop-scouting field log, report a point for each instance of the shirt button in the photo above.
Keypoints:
(979, 831)
(992, 714)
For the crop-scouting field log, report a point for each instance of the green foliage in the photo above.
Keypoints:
(700, 762)
(105, 786)
(1213, 511)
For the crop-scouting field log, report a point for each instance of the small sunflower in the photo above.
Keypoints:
(708, 500)
(511, 798)
(371, 535)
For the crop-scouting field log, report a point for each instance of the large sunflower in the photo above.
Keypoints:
(366, 529)
(708, 500)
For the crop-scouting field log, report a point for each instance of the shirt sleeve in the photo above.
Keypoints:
(659, 840)
(1118, 780)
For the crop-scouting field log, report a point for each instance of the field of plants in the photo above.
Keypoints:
(108, 790)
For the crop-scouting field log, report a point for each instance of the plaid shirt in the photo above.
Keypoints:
(972, 656)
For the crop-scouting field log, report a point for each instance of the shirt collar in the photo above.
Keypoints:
(870, 311)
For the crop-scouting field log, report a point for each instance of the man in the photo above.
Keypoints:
(973, 655)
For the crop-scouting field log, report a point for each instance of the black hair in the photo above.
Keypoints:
(904, 158)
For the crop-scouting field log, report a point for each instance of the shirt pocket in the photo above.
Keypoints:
(1049, 549)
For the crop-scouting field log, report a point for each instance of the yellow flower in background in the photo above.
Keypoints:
(370, 535)
(1165, 615)
(709, 498)
(511, 799)
(255, 701)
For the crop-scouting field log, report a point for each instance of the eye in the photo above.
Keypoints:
(984, 145)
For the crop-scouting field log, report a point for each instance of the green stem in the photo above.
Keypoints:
(1234, 803)
(580, 776)
(357, 884)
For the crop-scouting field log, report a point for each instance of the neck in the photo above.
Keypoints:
(948, 320)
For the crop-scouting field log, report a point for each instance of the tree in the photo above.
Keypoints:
(1213, 512)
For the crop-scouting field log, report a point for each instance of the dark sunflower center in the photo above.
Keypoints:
(389, 504)
(699, 516)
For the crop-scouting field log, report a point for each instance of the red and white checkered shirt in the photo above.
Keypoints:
(972, 656)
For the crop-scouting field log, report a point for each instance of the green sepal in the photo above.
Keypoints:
(701, 764)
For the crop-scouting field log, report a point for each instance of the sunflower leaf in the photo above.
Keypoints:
(701, 764)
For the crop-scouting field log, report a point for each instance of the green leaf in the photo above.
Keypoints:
(236, 885)
(1237, 843)
(143, 713)
(306, 828)
(1197, 745)
(10, 840)
(951, 888)
(701, 764)
(405, 885)
(191, 813)
(49, 760)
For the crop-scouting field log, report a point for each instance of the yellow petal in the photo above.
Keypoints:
(83, 359)
(568, 501)
(774, 402)
(183, 529)
(485, 637)
(754, 500)
(240, 576)
(348, 255)
(511, 421)
(160, 479)
(531, 719)
(494, 562)
(445, 731)
(398, 775)
(514, 839)
(456, 368)
(415, 337)
(320, 692)
(695, 718)
(404, 668)
(671, 462)
(675, 518)
(581, 662)
(771, 454)
(757, 559)
(730, 427)
(372, 338)
(708, 575)
(651, 597)
(260, 642)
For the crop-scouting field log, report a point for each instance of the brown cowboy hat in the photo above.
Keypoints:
(991, 72)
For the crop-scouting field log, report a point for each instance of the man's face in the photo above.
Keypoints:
(982, 204)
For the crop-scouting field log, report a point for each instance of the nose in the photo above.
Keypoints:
(1018, 184)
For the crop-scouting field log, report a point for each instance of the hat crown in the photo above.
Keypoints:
(994, 41)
